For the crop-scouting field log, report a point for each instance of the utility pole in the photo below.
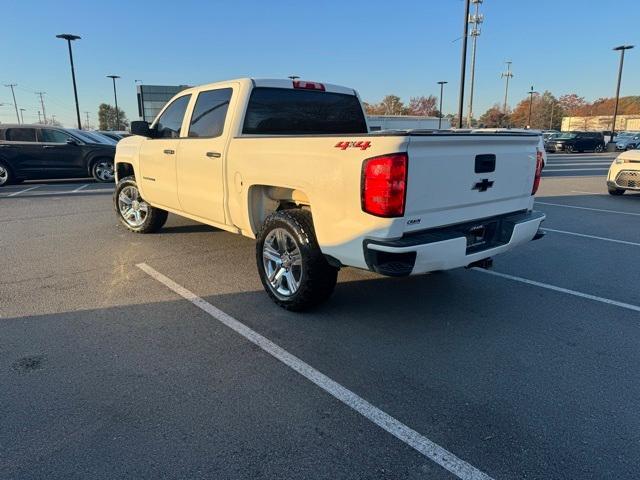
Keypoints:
(22, 110)
(463, 61)
(86, 124)
(531, 93)
(53, 119)
(39, 117)
(115, 96)
(442, 84)
(508, 74)
(621, 49)
(13, 93)
(44, 112)
(476, 20)
(69, 38)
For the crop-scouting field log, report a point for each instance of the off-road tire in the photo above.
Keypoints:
(154, 219)
(318, 278)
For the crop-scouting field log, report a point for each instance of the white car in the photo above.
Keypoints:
(293, 165)
(624, 173)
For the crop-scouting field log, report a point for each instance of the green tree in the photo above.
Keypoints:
(392, 105)
(107, 118)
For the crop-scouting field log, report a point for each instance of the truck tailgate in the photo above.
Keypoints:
(461, 177)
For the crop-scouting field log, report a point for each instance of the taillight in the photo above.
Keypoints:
(384, 185)
(539, 165)
(308, 85)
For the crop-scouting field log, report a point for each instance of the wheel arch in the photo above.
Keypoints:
(263, 200)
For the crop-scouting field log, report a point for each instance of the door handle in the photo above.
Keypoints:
(168, 151)
(214, 154)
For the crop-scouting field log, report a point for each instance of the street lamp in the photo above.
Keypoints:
(69, 38)
(293, 77)
(531, 93)
(442, 84)
(115, 96)
(621, 49)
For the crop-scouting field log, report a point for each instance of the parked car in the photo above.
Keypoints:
(628, 141)
(624, 173)
(41, 151)
(115, 135)
(92, 137)
(571, 142)
(293, 165)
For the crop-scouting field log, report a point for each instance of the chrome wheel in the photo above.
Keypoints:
(4, 175)
(282, 262)
(132, 207)
(104, 171)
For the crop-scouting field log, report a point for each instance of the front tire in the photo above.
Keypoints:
(615, 191)
(102, 171)
(599, 149)
(292, 268)
(569, 149)
(133, 211)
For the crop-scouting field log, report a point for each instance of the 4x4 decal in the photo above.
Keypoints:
(361, 145)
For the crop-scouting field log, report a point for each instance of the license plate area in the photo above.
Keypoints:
(480, 236)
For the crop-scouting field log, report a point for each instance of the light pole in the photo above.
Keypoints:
(463, 61)
(86, 123)
(476, 19)
(293, 77)
(442, 84)
(13, 93)
(70, 38)
(22, 110)
(621, 49)
(115, 96)
(531, 93)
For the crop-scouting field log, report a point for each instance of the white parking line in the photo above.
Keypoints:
(597, 164)
(80, 188)
(623, 242)
(546, 169)
(590, 193)
(575, 293)
(587, 208)
(22, 191)
(423, 445)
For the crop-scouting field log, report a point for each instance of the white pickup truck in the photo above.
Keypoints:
(293, 165)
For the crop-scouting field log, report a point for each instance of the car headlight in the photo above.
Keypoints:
(620, 160)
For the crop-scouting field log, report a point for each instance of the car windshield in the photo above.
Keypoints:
(92, 137)
(566, 136)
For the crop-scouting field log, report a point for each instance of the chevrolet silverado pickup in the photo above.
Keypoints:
(293, 165)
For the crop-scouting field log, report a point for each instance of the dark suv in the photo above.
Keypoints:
(576, 142)
(40, 151)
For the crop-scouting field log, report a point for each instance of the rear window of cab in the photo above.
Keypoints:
(285, 111)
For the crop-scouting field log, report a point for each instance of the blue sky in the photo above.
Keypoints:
(377, 47)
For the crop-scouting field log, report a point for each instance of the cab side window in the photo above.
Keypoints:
(170, 121)
(48, 135)
(20, 134)
(209, 113)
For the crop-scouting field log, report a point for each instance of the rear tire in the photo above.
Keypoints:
(292, 268)
(133, 211)
(6, 176)
(615, 191)
(102, 170)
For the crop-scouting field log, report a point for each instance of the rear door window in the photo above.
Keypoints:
(170, 121)
(49, 135)
(209, 113)
(20, 135)
(284, 111)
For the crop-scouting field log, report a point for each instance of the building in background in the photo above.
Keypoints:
(404, 122)
(151, 99)
(601, 123)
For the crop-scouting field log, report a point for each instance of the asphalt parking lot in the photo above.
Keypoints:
(160, 356)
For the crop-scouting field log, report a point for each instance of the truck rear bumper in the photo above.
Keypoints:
(451, 247)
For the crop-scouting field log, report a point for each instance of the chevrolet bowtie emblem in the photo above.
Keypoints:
(483, 185)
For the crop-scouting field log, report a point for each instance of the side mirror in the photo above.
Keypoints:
(140, 127)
